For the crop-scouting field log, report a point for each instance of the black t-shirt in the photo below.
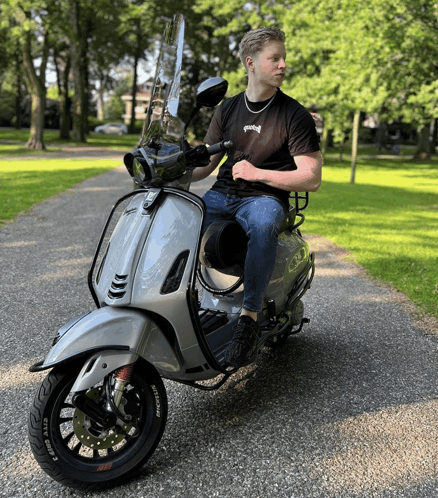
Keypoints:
(269, 138)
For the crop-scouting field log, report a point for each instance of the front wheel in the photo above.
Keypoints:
(78, 452)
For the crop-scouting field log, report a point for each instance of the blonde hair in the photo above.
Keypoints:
(253, 42)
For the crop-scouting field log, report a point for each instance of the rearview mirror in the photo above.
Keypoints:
(211, 92)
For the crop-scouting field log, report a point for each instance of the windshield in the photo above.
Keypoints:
(162, 121)
(160, 158)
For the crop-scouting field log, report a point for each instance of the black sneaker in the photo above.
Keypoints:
(243, 347)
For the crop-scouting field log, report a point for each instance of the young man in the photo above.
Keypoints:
(275, 151)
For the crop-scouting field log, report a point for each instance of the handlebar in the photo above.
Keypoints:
(219, 147)
(200, 155)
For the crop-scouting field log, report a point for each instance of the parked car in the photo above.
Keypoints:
(114, 128)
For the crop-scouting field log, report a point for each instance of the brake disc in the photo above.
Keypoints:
(94, 435)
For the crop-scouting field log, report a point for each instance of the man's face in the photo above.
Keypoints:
(270, 64)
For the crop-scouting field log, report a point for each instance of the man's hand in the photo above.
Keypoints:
(307, 178)
(246, 171)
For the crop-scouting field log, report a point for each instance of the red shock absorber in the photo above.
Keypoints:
(124, 373)
(122, 377)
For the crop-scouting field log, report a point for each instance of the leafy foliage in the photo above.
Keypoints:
(344, 56)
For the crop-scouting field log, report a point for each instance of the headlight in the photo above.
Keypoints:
(138, 172)
(137, 167)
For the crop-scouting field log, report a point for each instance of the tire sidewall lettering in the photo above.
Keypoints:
(47, 442)
(157, 401)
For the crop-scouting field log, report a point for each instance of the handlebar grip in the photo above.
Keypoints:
(219, 147)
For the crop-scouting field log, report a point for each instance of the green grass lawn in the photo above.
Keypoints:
(13, 142)
(24, 183)
(388, 220)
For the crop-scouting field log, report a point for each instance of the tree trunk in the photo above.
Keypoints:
(18, 97)
(79, 108)
(100, 101)
(36, 138)
(434, 142)
(326, 138)
(134, 95)
(65, 101)
(354, 145)
(341, 149)
(423, 144)
(86, 73)
(134, 84)
(37, 89)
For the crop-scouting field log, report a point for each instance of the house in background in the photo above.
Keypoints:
(142, 98)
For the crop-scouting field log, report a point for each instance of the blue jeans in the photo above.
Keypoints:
(261, 218)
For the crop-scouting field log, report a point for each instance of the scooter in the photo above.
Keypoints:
(167, 298)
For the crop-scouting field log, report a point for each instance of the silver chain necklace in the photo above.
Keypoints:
(261, 110)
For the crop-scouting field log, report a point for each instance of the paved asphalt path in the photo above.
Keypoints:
(348, 408)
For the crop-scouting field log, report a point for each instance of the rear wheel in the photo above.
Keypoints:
(78, 452)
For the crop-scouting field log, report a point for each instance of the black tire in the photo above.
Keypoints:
(54, 426)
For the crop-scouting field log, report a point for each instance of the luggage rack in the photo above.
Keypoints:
(300, 196)
(301, 201)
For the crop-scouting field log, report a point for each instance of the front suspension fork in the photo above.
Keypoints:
(114, 395)
(122, 377)
(107, 416)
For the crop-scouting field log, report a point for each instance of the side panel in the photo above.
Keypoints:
(292, 258)
(175, 230)
(114, 276)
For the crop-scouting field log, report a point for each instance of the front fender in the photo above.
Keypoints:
(125, 331)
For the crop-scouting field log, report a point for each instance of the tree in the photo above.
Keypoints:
(37, 84)
(29, 26)
(78, 46)
(354, 56)
(62, 60)
(101, 35)
(11, 68)
(137, 29)
(221, 28)
(419, 62)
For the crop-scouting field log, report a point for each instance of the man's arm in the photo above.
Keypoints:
(203, 172)
(307, 178)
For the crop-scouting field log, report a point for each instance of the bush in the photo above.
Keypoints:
(138, 126)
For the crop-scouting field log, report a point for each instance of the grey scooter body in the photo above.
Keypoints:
(145, 288)
(137, 312)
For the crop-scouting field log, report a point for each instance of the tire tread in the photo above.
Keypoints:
(36, 437)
